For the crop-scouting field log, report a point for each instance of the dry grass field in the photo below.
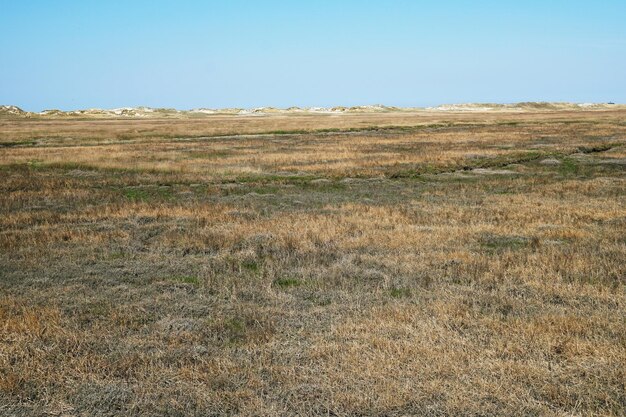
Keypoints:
(347, 265)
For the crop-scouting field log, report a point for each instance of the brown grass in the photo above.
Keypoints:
(441, 268)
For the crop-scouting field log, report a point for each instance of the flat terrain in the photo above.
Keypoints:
(361, 264)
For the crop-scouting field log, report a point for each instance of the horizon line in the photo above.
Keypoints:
(319, 108)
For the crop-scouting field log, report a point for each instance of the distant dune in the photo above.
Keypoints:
(148, 112)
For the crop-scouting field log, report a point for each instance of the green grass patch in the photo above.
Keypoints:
(186, 279)
(35, 164)
(251, 266)
(273, 178)
(400, 292)
(287, 282)
(136, 195)
(496, 243)
(569, 167)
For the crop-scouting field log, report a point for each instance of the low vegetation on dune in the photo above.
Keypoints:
(362, 264)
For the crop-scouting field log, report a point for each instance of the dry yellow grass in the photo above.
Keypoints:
(460, 264)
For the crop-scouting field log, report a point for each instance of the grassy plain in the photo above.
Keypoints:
(365, 264)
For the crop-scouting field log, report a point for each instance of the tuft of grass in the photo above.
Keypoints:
(400, 292)
(186, 279)
(287, 282)
(499, 243)
(251, 266)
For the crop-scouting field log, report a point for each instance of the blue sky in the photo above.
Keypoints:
(186, 54)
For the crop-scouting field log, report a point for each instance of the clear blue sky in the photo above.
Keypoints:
(185, 54)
